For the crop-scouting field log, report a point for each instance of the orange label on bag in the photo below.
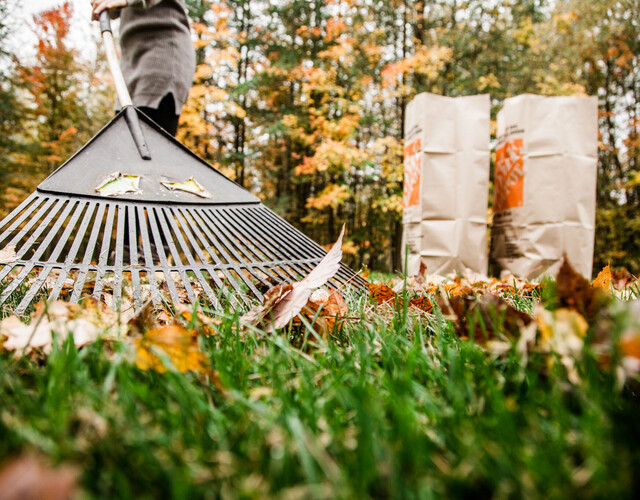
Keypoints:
(509, 176)
(412, 173)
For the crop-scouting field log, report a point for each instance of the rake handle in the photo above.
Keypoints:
(122, 92)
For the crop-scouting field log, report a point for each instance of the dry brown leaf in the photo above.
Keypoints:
(258, 313)
(488, 317)
(58, 317)
(180, 347)
(381, 294)
(8, 255)
(291, 304)
(575, 292)
(29, 477)
(603, 280)
(422, 303)
(284, 302)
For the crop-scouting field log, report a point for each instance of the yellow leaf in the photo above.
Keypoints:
(603, 280)
(191, 185)
(175, 343)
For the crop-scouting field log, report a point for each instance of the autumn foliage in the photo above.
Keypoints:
(303, 104)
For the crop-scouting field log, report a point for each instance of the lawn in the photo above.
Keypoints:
(393, 401)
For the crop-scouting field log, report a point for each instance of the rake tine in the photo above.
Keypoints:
(223, 235)
(34, 288)
(228, 216)
(252, 222)
(93, 238)
(120, 239)
(191, 222)
(50, 209)
(186, 282)
(88, 253)
(104, 251)
(148, 259)
(78, 286)
(33, 198)
(133, 258)
(16, 282)
(62, 242)
(173, 292)
(305, 245)
(177, 216)
(277, 253)
(279, 275)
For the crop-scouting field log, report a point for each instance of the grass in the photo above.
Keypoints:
(390, 408)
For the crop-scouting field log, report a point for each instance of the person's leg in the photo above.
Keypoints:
(164, 115)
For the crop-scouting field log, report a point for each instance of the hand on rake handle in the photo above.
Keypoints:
(100, 5)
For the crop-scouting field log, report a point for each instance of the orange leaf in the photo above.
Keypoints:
(603, 280)
(175, 343)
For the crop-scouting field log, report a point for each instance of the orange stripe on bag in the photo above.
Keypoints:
(509, 176)
(412, 171)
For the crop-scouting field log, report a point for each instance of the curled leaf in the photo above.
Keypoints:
(118, 183)
(191, 185)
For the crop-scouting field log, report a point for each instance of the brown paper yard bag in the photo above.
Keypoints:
(446, 183)
(545, 185)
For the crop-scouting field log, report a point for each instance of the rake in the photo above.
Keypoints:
(164, 224)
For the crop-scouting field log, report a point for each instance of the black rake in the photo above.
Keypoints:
(162, 238)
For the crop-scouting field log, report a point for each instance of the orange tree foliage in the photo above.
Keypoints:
(303, 102)
(63, 101)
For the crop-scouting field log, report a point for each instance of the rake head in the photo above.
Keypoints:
(67, 240)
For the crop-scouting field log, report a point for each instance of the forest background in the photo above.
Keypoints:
(302, 102)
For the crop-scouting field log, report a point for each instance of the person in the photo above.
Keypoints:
(157, 55)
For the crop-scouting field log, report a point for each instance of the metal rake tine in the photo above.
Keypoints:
(173, 292)
(233, 262)
(24, 215)
(186, 282)
(104, 250)
(142, 216)
(34, 288)
(218, 225)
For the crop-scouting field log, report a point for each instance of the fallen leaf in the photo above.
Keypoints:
(283, 302)
(8, 255)
(30, 477)
(274, 295)
(191, 185)
(603, 280)
(293, 302)
(201, 321)
(575, 292)
(381, 294)
(180, 347)
(422, 303)
(422, 272)
(486, 317)
(56, 318)
(118, 183)
(144, 320)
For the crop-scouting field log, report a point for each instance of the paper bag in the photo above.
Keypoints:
(446, 183)
(545, 185)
